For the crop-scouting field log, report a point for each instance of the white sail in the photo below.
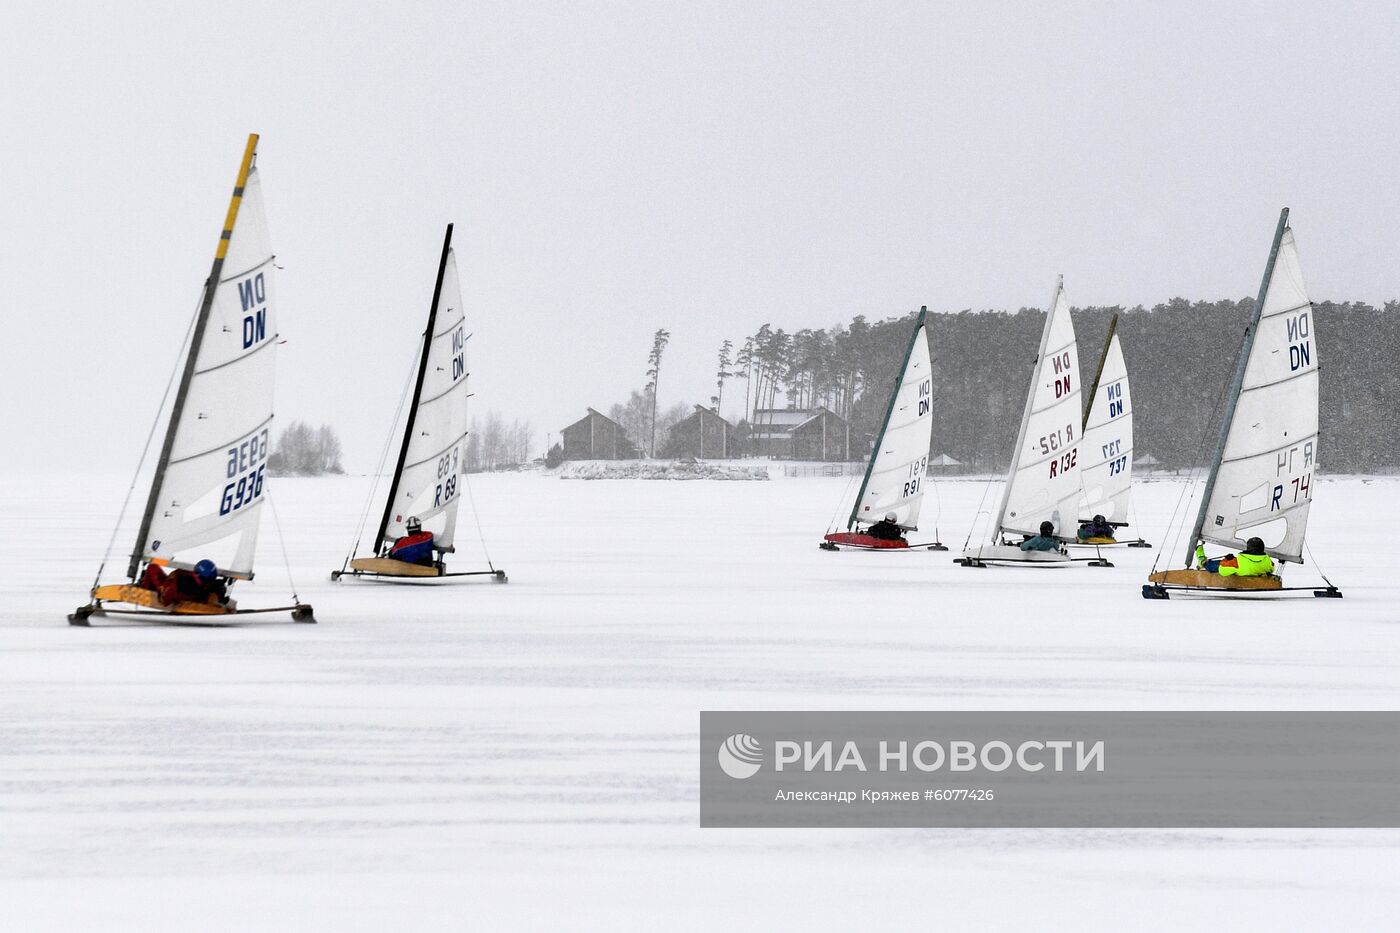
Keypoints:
(1043, 484)
(1263, 486)
(898, 468)
(1106, 449)
(429, 485)
(210, 495)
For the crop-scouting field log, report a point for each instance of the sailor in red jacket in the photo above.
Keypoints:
(416, 547)
(200, 586)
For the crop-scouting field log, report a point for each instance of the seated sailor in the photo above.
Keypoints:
(1096, 527)
(202, 585)
(886, 529)
(416, 547)
(1045, 541)
(1251, 562)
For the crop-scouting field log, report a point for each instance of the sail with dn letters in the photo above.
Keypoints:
(896, 476)
(209, 488)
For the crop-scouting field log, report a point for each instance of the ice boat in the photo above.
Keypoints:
(1106, 446)
(207, 493)
(1044, 480)
(897, 472)
(429, 475)
(1261, 478)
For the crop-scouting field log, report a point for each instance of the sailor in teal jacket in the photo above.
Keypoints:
(1045, 541)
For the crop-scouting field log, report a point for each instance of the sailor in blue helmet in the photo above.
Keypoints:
(200, 585)
(416, 547)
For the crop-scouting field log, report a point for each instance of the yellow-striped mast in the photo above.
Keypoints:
(211, 286)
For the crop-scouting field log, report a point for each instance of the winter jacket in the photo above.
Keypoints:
(181, 586)
(414, 549)
(1091, 530)
(1041, 543)
(1248, 565)
(885, 531)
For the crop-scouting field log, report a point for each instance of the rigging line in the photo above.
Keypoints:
(1193, 476)
(146, 449)
(845, 494)
(1313, 557)
(481, 536)
(938, 504)
(985, 487)
(282, 542)
(379, 466)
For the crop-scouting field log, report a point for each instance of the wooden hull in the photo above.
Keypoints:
(139, 596)
(1204, 579)
(388, 567)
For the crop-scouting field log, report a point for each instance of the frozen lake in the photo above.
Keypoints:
(483, 755)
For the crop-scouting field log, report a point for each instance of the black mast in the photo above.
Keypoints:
(1098, 373)
(417, 391)
(211, 286)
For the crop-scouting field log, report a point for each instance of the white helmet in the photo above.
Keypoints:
(891, 517)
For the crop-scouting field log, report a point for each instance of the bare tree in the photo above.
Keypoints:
(658, 346)
(306, 451)
(725, 360)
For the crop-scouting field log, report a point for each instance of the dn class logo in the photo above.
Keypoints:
(740, 756)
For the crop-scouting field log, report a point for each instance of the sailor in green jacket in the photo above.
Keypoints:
(1252, 562)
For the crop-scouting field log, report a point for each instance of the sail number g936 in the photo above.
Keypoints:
(246, 463)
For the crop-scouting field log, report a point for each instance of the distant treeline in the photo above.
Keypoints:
(495, 444)
(302, 450)
(1180, 356)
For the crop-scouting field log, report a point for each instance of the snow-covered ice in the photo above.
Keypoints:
(480, 756)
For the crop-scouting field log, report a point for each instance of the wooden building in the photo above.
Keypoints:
(595, 436)
(800, 434)
(825, 435)
(704, 434)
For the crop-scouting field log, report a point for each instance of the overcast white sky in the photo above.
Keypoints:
(617, 167)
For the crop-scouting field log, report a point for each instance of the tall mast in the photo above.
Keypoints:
(1235, 385)
(1098, 373)
(417, 390)
(211, 286)
(1030, 401)
(889, 410)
